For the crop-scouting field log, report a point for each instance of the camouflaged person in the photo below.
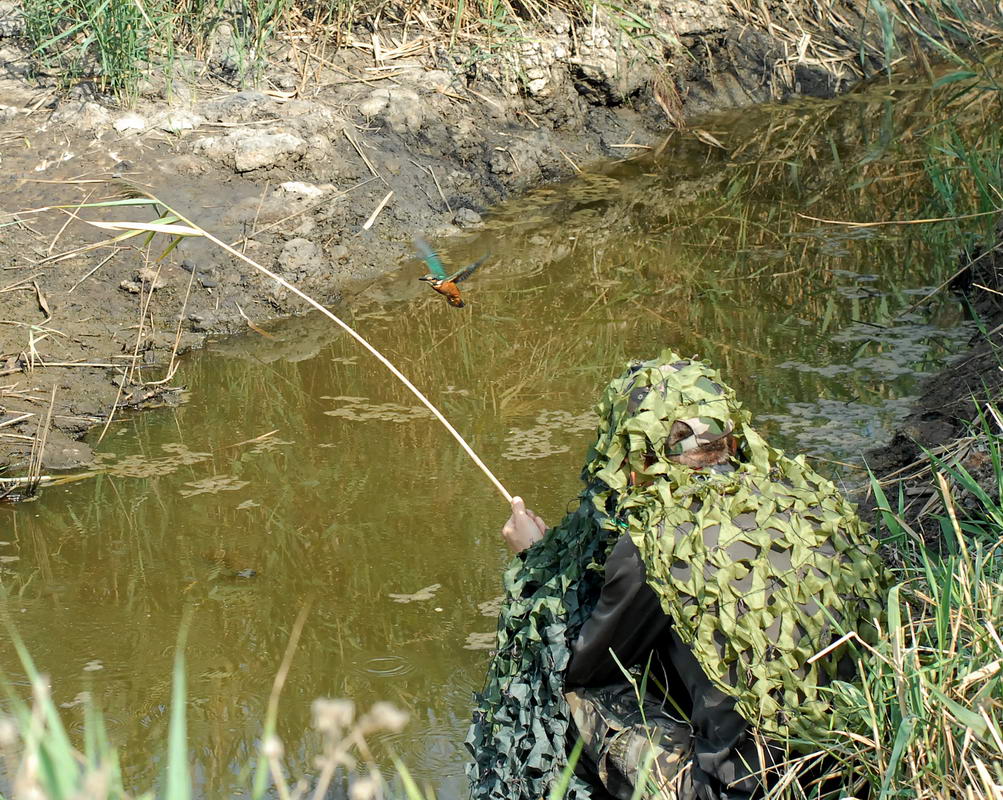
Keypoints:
(730, 579)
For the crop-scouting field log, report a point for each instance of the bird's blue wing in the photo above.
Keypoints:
(433, 261)
(467, 271)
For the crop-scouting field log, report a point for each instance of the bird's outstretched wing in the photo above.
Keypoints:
(433, 261)
(467, 271)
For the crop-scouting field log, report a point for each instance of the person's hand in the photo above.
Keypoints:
(523, 527)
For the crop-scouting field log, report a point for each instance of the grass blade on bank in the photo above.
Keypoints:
(43, 731)
(560, 788)
(189, 228)
(923, 721)
(411, 789)
(46, 763)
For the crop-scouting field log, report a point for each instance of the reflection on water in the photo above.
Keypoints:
(299, 472)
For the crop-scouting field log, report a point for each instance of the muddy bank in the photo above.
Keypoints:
(325, 171)
(945, 420)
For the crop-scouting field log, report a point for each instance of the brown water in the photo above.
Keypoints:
(354, 500)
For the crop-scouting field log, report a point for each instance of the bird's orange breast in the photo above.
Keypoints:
(451, 293)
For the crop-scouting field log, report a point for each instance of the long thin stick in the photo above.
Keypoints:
(345, 327)
(851, 224)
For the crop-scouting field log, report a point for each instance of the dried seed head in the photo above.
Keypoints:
(8, 733)
(272, 748)
(40, 689)
(387, 717)
(333, 716)
(30, 792)
(96, 783)
(27, 776)
(364, 788)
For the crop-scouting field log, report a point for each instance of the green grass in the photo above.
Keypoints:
(951, 30)
(82, 38)
(114, 43)
(925, 720)
(41, 759)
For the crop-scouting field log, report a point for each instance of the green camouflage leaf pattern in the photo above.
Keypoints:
(760, 568)
(520, 729)
(766, 566)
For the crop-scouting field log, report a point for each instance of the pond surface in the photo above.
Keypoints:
(298, 472)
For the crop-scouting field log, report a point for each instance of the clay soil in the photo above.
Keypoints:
(293, 173)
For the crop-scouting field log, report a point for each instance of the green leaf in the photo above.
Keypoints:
(559, 788)
(167, 251)
(902, 738)
(642, 776)
(953, 77)
(965, 716)
(53, 745)
(410, 787)
(178, 781)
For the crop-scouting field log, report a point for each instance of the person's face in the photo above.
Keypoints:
(706, 455)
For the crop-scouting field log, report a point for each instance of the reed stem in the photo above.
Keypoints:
(351, 332)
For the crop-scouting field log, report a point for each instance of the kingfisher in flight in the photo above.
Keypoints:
(438, 279)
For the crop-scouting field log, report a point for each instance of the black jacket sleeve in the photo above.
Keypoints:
(628, 620)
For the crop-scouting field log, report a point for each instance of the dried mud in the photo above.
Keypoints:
(292, 173)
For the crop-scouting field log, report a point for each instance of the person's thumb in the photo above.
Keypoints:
(518, 505)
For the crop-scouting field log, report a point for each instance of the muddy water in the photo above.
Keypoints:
(298, 472)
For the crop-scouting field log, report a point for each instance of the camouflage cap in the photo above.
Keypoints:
(638, 410)
(713, 425)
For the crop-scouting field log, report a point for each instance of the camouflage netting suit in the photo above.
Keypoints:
(757, 566)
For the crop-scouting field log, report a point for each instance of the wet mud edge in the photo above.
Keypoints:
(945, 418)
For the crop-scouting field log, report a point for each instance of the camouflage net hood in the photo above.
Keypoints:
(760, 564)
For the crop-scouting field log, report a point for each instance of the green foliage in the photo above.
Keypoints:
(41, 759)
(90, 38)
(888, 40)
(560, 787)
(952, 31)
(114, 42)
(925, 720)
(965, 169)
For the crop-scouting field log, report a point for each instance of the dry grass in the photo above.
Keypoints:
(117, 43)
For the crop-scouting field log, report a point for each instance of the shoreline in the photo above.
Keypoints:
(956, 408)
